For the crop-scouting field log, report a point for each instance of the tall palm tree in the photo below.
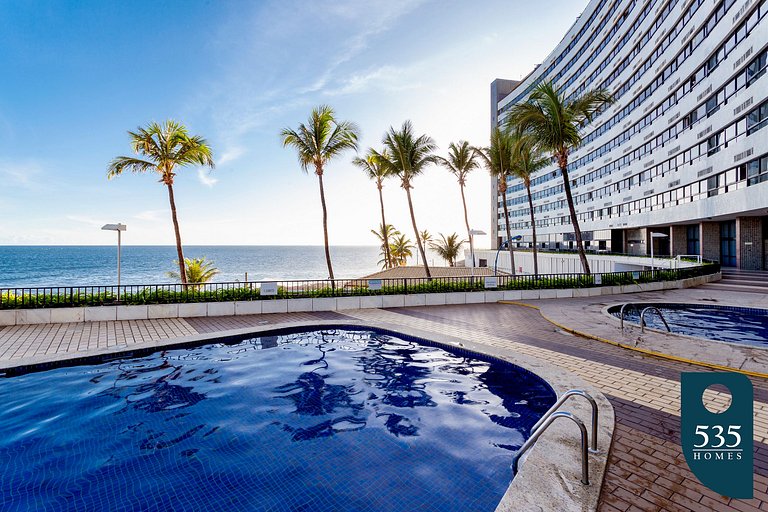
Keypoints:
(385, 234)
(408, 156)
(164, 147)
(462, 159)
(401, 250)
(556, 124)
(199, 270)
(426, 237)
(527, 160)
(316, 143)
(373, 167)
(498, 161)
(448, 248)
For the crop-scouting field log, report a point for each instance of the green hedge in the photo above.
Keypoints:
(9, 300)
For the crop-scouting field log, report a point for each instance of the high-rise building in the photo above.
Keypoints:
(682, 153)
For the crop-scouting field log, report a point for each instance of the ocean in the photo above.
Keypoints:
(26, 266)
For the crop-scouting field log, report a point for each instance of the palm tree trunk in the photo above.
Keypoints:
(533, 227)
(416, 231)
(509, 233)
(387, 254)
(574, 219)
(325, 230)
(179, 251)
(466, 222)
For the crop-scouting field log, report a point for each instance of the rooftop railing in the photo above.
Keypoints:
(78, 296)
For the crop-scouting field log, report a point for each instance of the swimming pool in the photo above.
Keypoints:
(331, 420)
(731, 324)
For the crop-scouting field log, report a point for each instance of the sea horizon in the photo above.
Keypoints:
(86, 265)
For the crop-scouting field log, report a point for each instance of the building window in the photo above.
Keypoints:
(693, 246)
(728, 243)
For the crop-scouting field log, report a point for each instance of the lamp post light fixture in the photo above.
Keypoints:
(472, 233)
(655, 235)
(119, 228)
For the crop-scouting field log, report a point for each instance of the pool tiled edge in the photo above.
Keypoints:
(550, 475)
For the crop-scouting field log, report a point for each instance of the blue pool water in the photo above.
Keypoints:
(748, 326)
(333, 420)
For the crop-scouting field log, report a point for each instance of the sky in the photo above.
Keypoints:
(76, 76)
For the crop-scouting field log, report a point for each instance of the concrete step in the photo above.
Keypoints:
(731, 287)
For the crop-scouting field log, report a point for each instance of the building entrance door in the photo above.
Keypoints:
(728, 243)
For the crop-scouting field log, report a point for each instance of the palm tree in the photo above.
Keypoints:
(426, 237)
(165, 147)
(385, 233)
(498, 161)
(462, 159)
(527, 160)
(448, 248)
(373, 167)
(198, 270)
(316, 143)
(401, 250)
(556, 123)
(408, 156)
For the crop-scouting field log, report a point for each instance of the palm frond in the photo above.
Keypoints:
(321, 139)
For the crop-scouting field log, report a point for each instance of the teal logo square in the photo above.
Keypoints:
(718, 446)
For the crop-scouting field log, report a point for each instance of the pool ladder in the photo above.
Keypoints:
(642, 316)
(550, 416)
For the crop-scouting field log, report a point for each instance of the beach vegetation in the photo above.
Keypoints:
(163, 149)
(497, 158)
(448, 247)
(401, 249)
(407, 156)
(556, 122)
(527, 160)
(386, 234)
(461, 160)
(198, 270)
(316, 143)
(374, 168)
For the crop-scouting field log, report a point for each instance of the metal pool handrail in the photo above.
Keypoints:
(568, 394)
(621, 312)
(584, 453)
(657, 310)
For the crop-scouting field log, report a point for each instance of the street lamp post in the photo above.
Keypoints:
(472, 233)
(119, 228)
(655, 235)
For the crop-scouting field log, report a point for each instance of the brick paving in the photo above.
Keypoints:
(646, 470)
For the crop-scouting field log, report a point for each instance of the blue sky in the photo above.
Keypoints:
(77, 75)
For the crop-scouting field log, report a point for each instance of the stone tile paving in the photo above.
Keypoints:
(24, 341)
(585, 315)
(646, 471)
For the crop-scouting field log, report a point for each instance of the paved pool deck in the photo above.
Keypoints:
(646, 469)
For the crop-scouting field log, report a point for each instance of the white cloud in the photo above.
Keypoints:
(230, 154)
(25, 174)
(389, 78)
(205, 178)
(83, 219)
(151, 215)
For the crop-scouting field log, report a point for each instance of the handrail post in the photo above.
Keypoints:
(531, 440)
(560, 401)
(652, 308)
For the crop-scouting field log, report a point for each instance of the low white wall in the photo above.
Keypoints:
(569, 263)
(257, 307)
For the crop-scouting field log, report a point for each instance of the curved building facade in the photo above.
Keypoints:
(683, 153)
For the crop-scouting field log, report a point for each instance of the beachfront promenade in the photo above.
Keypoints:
(646, 470)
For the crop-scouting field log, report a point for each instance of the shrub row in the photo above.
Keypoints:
(75, 297)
